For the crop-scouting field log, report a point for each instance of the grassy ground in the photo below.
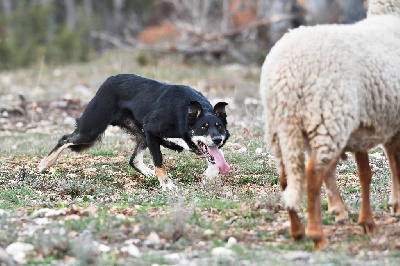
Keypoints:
(94, 208)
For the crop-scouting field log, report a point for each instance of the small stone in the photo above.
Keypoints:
(221, 252)
(154, 239)
(131, 250)
(231, 242)
(258, 151)
(18, 251)
(208, 232)
(103, 248)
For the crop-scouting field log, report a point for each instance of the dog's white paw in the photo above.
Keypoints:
(167, 184)
(210, 174)
(148, 172)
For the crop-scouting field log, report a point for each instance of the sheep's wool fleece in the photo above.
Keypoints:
(332, 88)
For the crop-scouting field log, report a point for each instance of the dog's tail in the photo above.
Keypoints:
(92, 124)
(77, 139)
(89, 129)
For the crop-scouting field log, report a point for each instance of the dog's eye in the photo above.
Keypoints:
(218, 126)
(205, 126)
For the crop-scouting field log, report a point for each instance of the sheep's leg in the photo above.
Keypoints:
(336, 205)
(296, 229)
(364, 171)
(314, 182)
(394, 163)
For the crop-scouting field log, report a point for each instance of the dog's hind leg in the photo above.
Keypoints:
(136, 160)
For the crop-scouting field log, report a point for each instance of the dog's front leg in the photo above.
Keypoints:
(154, 147)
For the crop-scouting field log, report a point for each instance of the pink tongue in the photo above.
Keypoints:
(219, 159)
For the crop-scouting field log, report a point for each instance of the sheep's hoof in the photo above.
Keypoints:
(319, 239)
(368, 226)
(395, 208)
(296, 230)
(340, 213)
(297, 235)
(320, 242)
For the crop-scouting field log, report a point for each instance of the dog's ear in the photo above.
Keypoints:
(219, 109)
(194, 112)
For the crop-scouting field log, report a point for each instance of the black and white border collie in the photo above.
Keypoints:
(157, 114)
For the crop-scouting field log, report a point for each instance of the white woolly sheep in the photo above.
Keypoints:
(327, 90)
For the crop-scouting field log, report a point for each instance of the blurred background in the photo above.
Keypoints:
(54, 54)
(60, 31)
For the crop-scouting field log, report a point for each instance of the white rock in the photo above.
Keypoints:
(103, 248)
(154, 239)
(131, 250)
(258, 151)
(208, 232)
(231, 242)
(222, 252)
(18, 251)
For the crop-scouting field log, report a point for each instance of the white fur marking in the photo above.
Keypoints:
(138, 162)
(168, 184)
(205, 139)
(211, 172)
(51, 159)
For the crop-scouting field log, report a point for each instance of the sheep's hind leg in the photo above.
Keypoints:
(365, 220)
(394, 163)
(314, 183)
(296, 229)
(336, 205)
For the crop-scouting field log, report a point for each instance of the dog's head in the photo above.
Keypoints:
(208, 132)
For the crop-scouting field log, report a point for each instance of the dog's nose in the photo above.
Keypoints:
(217, 139)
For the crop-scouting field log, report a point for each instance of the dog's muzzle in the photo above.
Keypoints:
(215, 156)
